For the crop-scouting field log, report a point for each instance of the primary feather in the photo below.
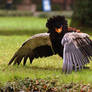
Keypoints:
(38, 45)
(77, 51)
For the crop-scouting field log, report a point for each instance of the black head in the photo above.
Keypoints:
(56, 22)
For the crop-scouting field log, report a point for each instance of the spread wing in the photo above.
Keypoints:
(38, 45)
(77, 51)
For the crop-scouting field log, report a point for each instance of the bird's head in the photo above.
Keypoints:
(57, 24)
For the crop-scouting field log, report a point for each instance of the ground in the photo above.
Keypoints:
(13, 32)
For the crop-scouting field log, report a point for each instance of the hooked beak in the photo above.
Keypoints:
(59, 30)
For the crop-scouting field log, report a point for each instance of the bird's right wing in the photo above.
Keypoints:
(77, 51)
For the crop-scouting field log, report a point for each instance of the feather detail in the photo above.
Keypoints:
(77, 51)
(38, 45)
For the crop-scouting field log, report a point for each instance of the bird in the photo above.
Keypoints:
(39, 45)
(74, 47)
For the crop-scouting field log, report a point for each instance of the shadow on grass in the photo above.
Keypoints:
(43, 68)
(46, 68)
(20, 32)
(54, 69)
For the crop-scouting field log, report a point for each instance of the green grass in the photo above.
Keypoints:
(13, 32)
(21, 25)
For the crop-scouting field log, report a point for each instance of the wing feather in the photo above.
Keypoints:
(77, 51)
(17, 60)
(25, 59)
(70, 64)
(75, 63)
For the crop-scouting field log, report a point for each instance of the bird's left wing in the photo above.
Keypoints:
(77, 51)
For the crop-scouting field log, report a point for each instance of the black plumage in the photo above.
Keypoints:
(52, 24)
(38, 45)
(75, 48)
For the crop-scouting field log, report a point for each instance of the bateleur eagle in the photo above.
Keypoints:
(39, 45)
(75, 48)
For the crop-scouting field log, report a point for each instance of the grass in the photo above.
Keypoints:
(13, 32)
(21, 25)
